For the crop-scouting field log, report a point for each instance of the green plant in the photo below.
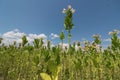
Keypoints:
(1, 40)
(62, 37)
(24, 40)
(115, 40)
(68, 24)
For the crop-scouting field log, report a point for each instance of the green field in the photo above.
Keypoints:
(37, 62)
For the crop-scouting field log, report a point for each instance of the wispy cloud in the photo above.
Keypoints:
(107, 40)
(83, 39)
(53, 36)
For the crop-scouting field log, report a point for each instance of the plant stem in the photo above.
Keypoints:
(69, 37)
(62, 44)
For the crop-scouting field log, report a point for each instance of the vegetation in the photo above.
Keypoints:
(39, 62)
(68, 24)
(36, 62)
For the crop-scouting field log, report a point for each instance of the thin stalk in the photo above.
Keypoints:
(62, 44)
(69, 50)
(98, 72)
(113, 73)
(80, 74)
(91, 73)
(69, 65)
(69, 38)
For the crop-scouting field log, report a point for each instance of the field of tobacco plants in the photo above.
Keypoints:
(38, 62)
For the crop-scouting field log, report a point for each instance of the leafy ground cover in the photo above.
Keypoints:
(36, 62)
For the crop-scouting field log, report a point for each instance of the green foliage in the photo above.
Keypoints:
(97, 39)
(115, 42)
(68, 20)
(38, 42)
(45, 76)
(62, 36)
(48, 44)
(1, 40)
(78, 44)
(68, 24)
(29, 63)
(24, 40)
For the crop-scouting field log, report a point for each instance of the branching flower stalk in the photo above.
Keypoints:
(68, 24)
(97, 39)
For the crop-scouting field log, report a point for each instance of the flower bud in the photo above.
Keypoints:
(69, 6)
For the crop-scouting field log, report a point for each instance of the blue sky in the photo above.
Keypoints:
(45, 16)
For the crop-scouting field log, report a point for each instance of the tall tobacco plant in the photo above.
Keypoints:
(68, 24)
(115, 41)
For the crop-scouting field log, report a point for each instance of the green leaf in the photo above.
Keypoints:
(36, 60)
(45, 76)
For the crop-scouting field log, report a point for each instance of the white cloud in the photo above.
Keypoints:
(31, 37)
(42, 36)
(53, 36)
(11, 36)
(16, 30)
(15, 35)
(107, 40)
